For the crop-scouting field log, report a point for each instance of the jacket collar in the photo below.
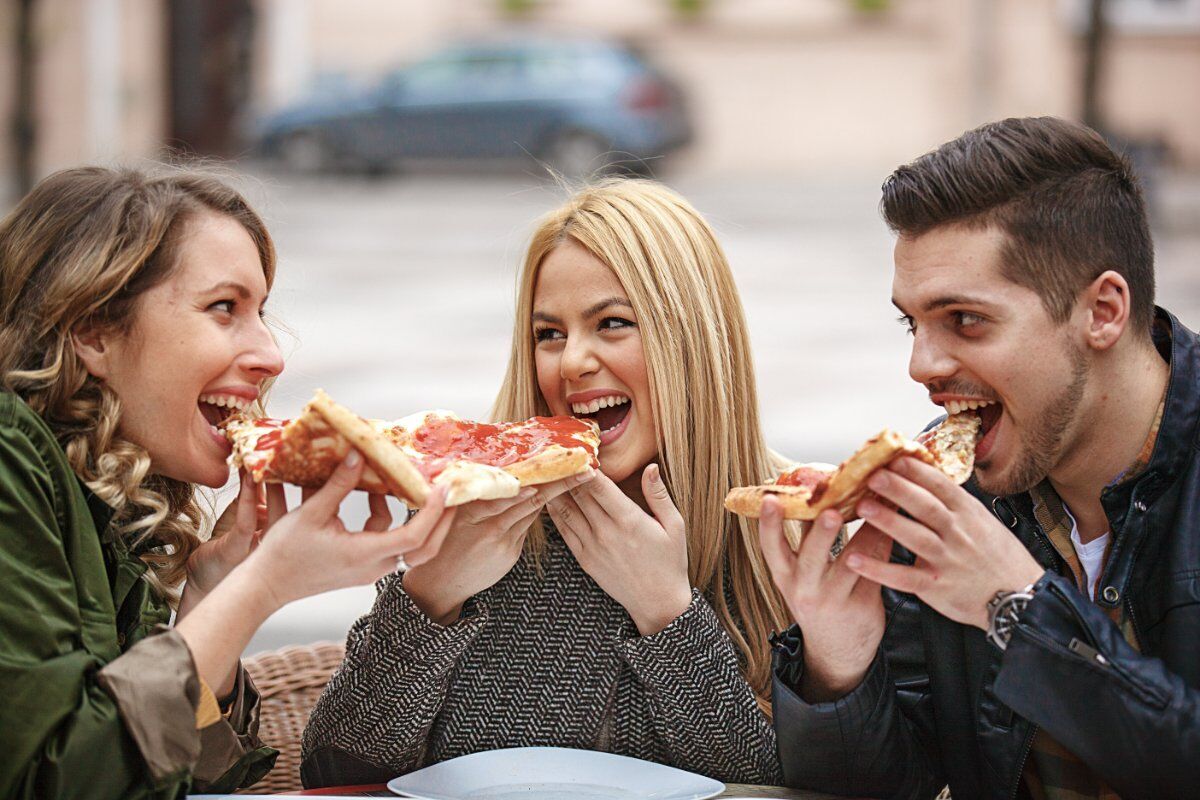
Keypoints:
(102, 513)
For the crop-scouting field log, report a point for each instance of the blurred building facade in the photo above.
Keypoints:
(804, 85)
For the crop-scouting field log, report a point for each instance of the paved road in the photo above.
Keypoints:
(397, 294)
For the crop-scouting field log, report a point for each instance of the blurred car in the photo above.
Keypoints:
(579, 106)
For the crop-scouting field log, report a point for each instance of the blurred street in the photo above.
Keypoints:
(396, 295)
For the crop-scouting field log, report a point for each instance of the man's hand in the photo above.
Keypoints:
(964, 554)
(839, 612)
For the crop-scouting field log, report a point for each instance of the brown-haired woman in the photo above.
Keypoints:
(130, 323)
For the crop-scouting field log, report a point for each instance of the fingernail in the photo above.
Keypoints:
(352, 458)
(528, 492)
(824, 522)
(878, 481)
(854, 561)
(655, 473)
(868, 508)
(584, 477)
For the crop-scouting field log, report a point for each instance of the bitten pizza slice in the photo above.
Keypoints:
(807, 490)
(408, 457)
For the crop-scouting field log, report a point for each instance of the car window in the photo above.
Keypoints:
(454, 75)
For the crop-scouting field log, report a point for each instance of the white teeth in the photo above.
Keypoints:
(597, 404)
(226, 401)
(958, 406)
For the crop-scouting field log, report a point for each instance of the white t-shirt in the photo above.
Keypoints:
(1091, 555)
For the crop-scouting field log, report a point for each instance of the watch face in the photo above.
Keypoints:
(1005, 608)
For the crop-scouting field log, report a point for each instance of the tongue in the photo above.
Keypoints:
(611, 417)
(988, 415)
(212, 414)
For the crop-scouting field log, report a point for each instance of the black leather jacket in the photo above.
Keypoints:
(940, 704)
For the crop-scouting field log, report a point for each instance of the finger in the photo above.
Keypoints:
(840, 580)
(901, 577)
(323, 503)
(813, 556)
(566, 512)
(380, 518)
(562, 522)
(659, 499)
(907, 532)
(416, 530)
(537, 500)
(781, 561)
(918, 501)
(432, 543)
(478, 511)
(247, 507)
(276, 503)
(597, 513)
(934, 481)
(306, 492)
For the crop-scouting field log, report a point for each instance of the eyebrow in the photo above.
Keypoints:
(946, 300)
(241, 290)
(591, 311)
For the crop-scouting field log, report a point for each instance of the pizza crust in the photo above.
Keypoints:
(950, 448)
(312, 445)
(395, 469)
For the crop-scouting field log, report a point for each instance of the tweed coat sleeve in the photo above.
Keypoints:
(378, 707)
(706, 715)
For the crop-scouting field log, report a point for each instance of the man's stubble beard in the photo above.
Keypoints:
(1041, 447)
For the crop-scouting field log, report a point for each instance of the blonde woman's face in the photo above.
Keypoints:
(197, 350)
(589, 358)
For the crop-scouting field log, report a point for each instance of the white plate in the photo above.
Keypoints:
(550, 773)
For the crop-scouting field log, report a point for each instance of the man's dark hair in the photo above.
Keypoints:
(1070, 207)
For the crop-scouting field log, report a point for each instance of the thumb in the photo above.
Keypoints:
(659, 500)
(324, 502)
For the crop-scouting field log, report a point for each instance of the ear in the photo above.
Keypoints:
(93, 347)
(1106, 303)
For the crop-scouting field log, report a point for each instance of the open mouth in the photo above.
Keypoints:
(217, 409)
(989, 418)
(609, 413)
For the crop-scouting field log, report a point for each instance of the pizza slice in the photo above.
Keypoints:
(408, 457)
(808, 489)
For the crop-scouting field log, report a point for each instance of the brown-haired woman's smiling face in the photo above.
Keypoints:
(589, 358)
(198, 350)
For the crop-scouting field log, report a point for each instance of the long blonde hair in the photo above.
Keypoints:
(702, 388)
(81, 249)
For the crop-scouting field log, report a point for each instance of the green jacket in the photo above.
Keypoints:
(97, 696)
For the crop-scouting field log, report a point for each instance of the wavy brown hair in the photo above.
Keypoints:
(80, 250)
(702, 388)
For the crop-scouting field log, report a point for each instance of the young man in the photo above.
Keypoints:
(1039, 633)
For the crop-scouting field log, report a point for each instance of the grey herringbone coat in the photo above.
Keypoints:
(545, 659)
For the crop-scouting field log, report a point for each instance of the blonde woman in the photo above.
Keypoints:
(634, 622)
(130, 321)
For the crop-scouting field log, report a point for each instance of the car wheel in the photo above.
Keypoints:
(578, 154)
(305, 151)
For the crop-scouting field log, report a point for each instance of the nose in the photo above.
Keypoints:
(262, 356)
(578, 358)
(929, 362)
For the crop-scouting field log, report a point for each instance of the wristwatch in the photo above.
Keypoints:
(1004, 609)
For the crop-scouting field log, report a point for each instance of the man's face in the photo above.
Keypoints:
(979, 338)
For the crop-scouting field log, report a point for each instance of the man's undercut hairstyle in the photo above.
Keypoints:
(1070, 208)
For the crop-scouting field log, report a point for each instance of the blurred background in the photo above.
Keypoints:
(400, 152)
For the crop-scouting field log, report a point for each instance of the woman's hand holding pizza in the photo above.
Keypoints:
(638, 559)
(482, 547)
(309, 550)
(964, 554)
(235, 535)
(840, 613)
